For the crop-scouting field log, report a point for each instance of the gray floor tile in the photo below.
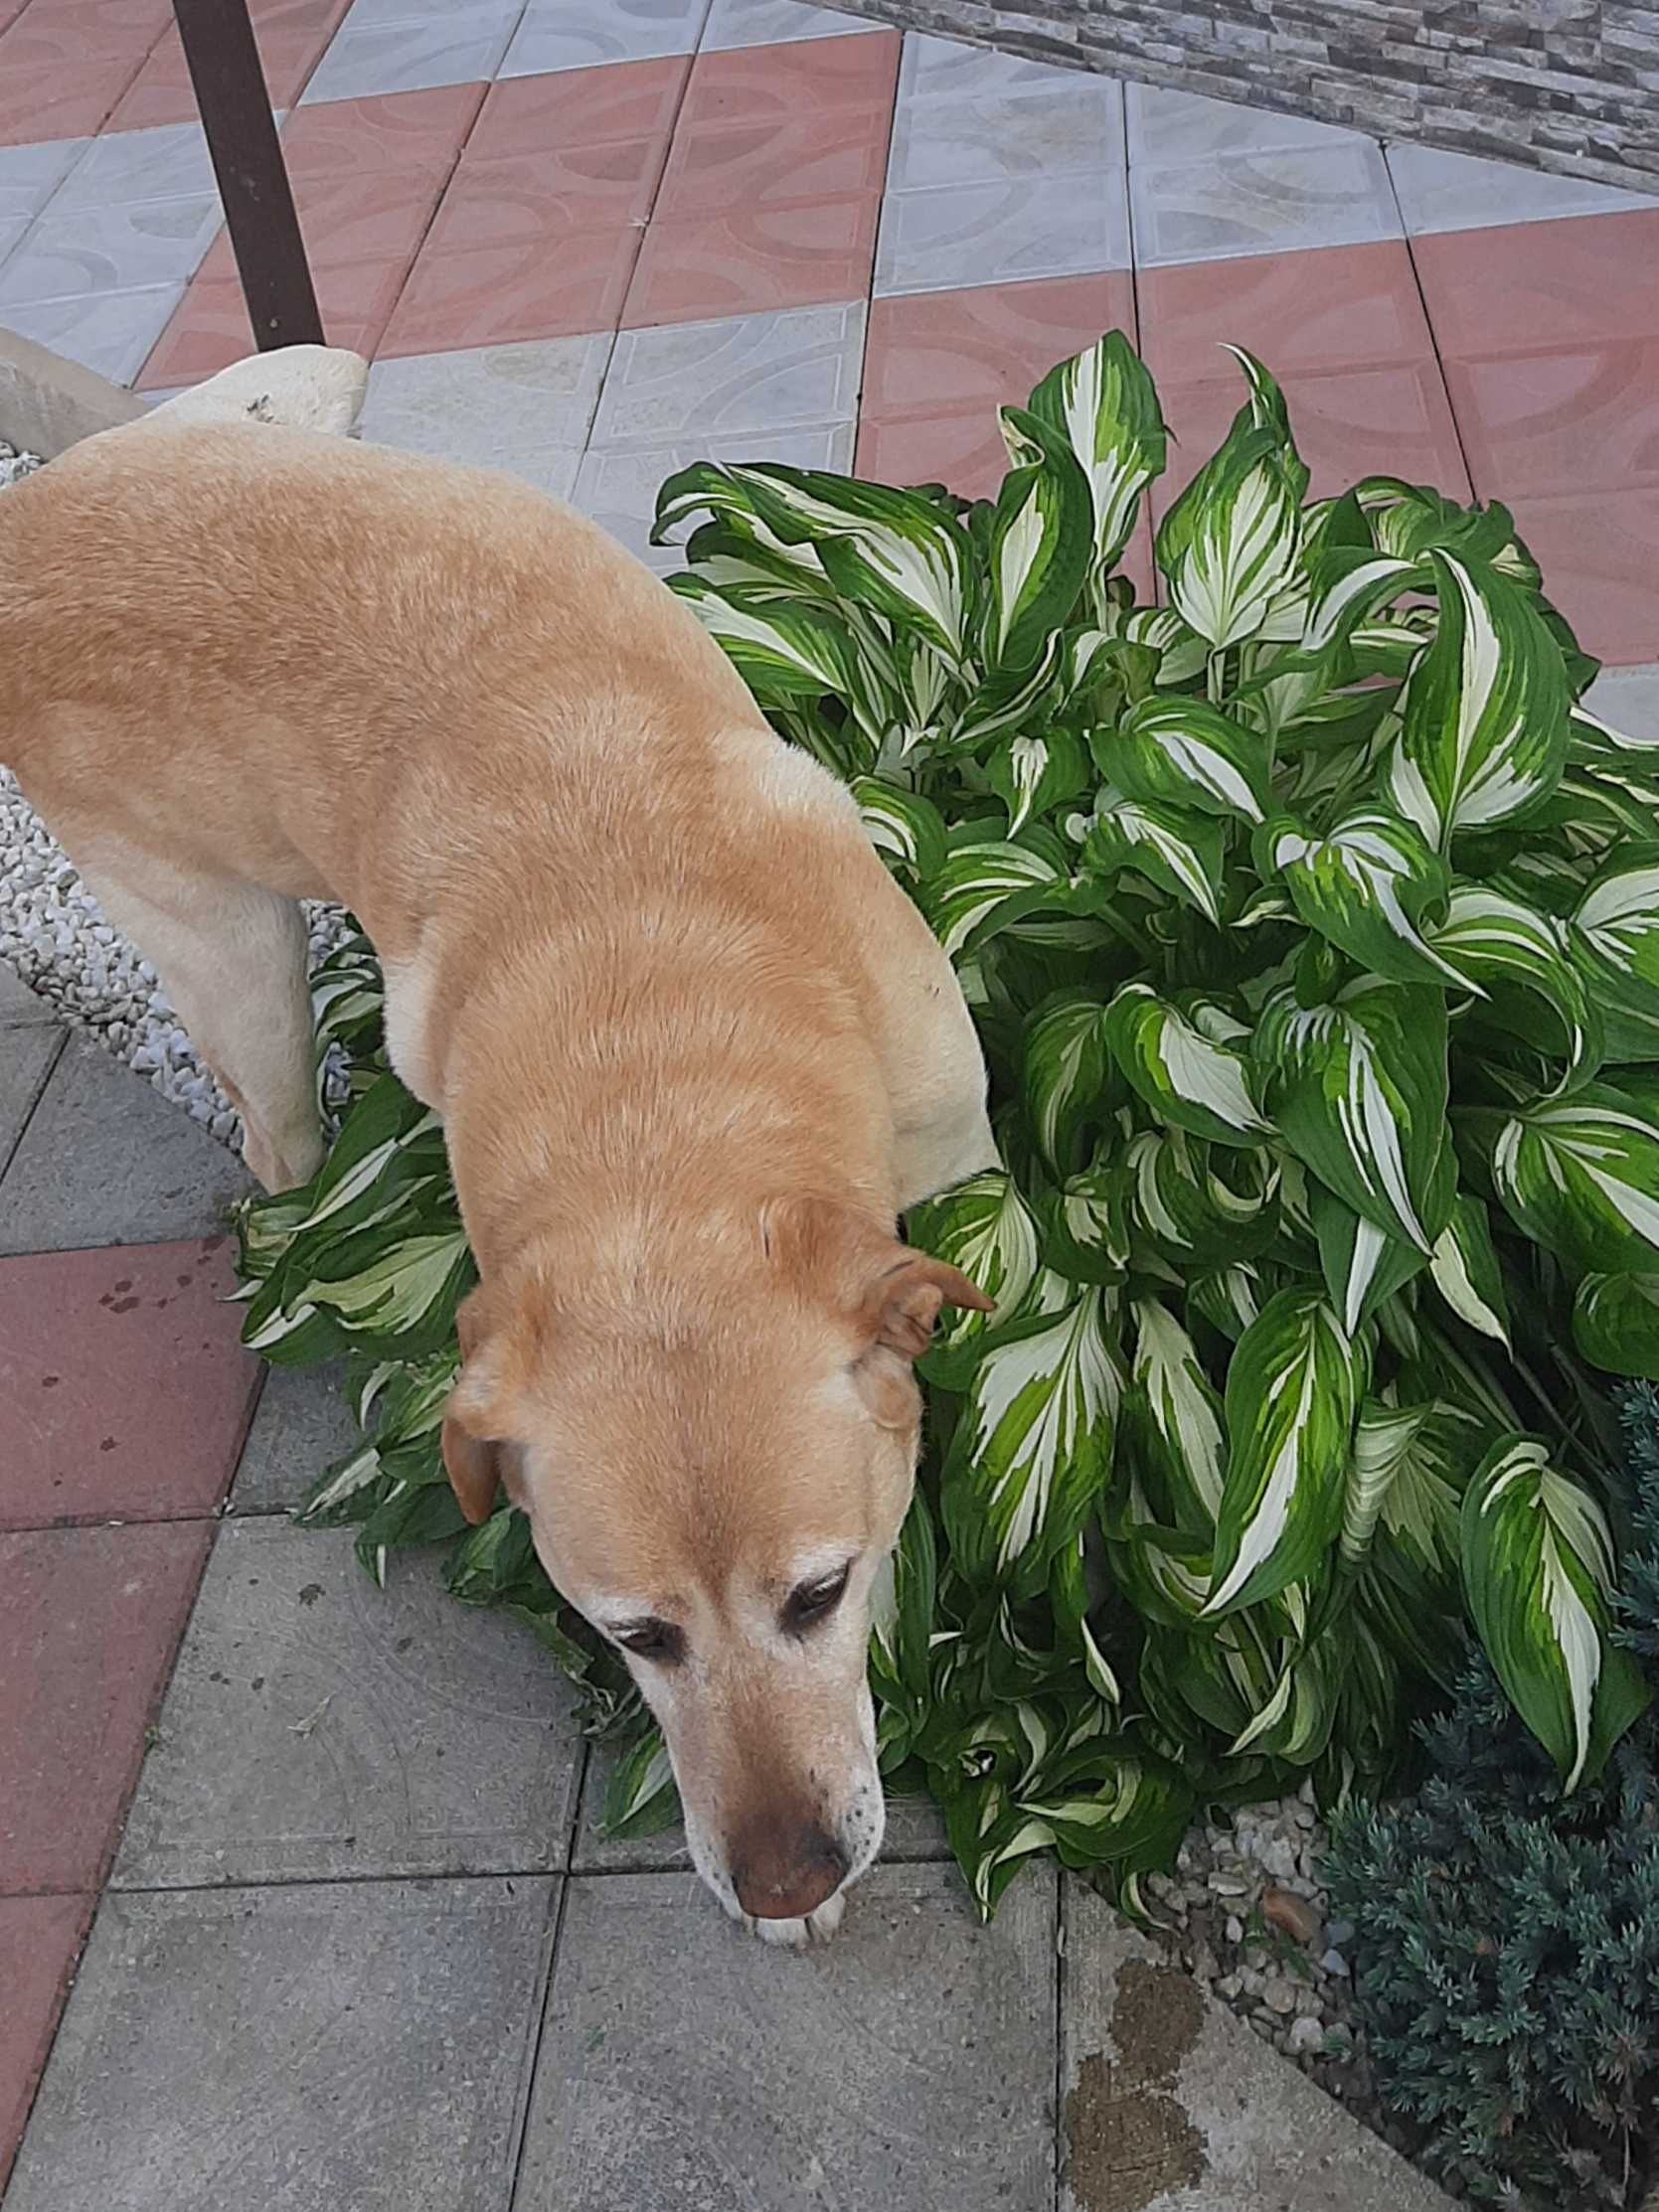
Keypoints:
(14, 229)
(1628, 698)
(1166, 2090)
(106, 1160)
(526, 408)
(318, 1726)
(618, 488)
(155, 164)
(26, 1057)
(774, 22)
(19, 1006)
(410, 57)
(112, 333)
(29, 175)
(552, 36)
(743, 372)
(1168, 126)
(910, 2063)
(996, 233)
(1266, 202)
(302, 1425)
(99, 250)
(1444, 191)
(353, 2048)
(950, 69)
(1071, 129)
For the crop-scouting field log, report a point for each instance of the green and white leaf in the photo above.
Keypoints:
(1180, 1414)
(1183, 752)
(1230, 545)
(1191, 1080)
(1032, 775)
(1467, 1271)
(1494, 940)
(1366, 884)
(1067, 1067)
(1580, 1175)
(1105, 405)
(1615, 1323)
(905, 828)
(1178, 849)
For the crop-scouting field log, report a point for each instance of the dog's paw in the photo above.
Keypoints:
(796, 1935)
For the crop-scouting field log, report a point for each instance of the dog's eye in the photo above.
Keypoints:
(658, 1641)
(812, 1602)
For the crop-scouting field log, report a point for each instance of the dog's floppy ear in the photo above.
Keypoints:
(905, 1298)
(471, 1451)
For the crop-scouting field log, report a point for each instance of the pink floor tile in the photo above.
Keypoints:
(42, 99)
(124, 1393)
(1330, 307)
(1578, 281)
(771, 163)
(379, 216)
(466, 296)
(210, 327)
(161, 93)
(1349, 424)
(750, 259)
(777, 82)
(291, 48)
(91, 1621)
(1560, 421)
(985, 347)
(959, 447)
(391, 130)
(580, 107)
(1599, 553)
(40, 1941)
(71, 34)
(522, 196)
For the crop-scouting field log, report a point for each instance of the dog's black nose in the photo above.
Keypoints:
(786, 1874)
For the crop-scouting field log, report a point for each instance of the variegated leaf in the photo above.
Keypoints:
(1580, 1175)
(1357, 1089)
(1500, 943)
(1190, 1079)
(1087, 1236)
(1483, 718)
(1104, 403)
(1615, 1323)
(1183, 752)
(1230, 545)
(1366, 884)
(986, 1228)
(1180, 851)
(1066, 1071)
(1615, 934)
(1362, 1265)
(1384, 1439)
(1032, 776)
(1177, 1418)
(905, 828)
(1293, 1390)
(782, 648)
(1538, 1572)
(1467, 1271)
(1038, 545)
(982, 887)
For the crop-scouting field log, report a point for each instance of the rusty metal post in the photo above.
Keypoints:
(234, 105)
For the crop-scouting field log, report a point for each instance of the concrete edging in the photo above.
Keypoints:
(49, 404)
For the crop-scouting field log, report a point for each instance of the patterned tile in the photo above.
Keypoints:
(618, 31)
(541, 196)
(1578, 281)
(1348, 423)
(466, 296)
(493, 405)
(985, 347)
(409, 57)
(171, 162)
(40, 1941)
(1328, 307)
(735, 22)
(1262, 203)
(618, 488)
(1440, 191)
(29, 175)
(110, 332)
(783, 82)
(41, 101)
(959, 447)
(1599, 553)
(1167, 127)
(13, 228)
(124, 1393)
(90, 1623)
(108, 249)
(211, 328)
(1560, 421)
(997, 233)
(745, 374)
(376, 216)
(1073, 129)
(770, 164)
(748, 259)
(402, 131)
(554, 116)
(950, 69)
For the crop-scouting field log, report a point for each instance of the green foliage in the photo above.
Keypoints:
(1508, 1935)
(1312, 933)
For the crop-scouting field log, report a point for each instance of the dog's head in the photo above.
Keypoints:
(716, 1463)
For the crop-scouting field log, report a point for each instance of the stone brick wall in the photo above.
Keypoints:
(1567, 84)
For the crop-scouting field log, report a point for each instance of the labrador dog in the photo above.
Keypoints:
(694, 1051)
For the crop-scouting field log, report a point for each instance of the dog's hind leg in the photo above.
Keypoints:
(231, 957)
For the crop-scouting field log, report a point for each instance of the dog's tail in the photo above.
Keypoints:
(302, 388)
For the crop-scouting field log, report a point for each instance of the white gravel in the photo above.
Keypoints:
(54, 934)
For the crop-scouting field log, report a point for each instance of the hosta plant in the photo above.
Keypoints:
(1311, 925)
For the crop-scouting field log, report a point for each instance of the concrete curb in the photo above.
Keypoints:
(48, 403)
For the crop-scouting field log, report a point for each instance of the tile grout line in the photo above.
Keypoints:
(541, 2006)
(32, 1108)
(1061, 1947)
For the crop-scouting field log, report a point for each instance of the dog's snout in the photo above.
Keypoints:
(786, 1873)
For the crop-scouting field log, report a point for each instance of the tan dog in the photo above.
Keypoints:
(693, 1049)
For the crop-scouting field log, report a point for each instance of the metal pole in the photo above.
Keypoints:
(234, 105)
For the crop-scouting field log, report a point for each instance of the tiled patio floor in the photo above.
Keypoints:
(357, 1944)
